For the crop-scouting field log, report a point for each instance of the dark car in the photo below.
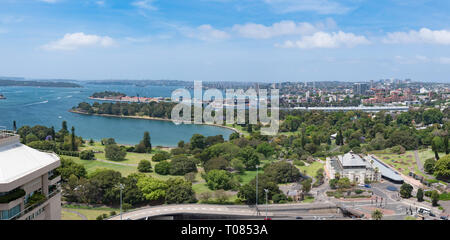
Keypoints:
(299, 218)
(444, 217)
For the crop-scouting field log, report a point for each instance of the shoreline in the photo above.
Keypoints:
(150, 118)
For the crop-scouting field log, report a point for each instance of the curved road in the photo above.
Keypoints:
(274, 210)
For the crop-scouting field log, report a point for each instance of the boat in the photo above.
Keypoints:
(2, 97)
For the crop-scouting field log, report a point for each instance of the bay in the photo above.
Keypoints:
(49, 107)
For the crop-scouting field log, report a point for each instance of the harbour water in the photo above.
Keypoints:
(49, 107)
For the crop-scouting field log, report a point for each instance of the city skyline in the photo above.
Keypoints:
(226, 40)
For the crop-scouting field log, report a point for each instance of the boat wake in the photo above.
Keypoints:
(36, 103)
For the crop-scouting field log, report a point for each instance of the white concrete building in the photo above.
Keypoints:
(29, 187)
(353, 167)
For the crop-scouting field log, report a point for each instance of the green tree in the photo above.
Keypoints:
(180, 165)
(115, 153)
(161, 156)
(433, 115)
(87, 155)
(419, 195)
(144, 166)
(162, 168)
(265, 149)
(429, 165)
(219, 179)
(69, 167)
(238, 165)
(247, 192)
(442, 168)
(249, 157)
(179, 191)
(435, 198)
(153, 189)
(406, 190)
(306, 185)
(198, 141)
(282, 172)
(377, 215)
(343, 183)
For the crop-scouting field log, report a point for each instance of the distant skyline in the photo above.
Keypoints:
(226, 40)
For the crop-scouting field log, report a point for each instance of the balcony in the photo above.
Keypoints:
(41, 202)
(12, 195)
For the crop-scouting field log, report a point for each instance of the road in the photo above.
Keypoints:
(278, 211)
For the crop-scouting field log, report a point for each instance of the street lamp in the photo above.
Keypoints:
(257, 212)
(267, 205)
(121, 187)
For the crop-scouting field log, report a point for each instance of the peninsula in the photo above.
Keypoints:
(122, 97)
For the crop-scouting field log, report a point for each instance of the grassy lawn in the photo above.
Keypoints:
(201, 188)
(403, 163)
(69, 216)
(92, 165)
(308, 199)
(90, 213)
(425, 154)
(131, 158)
(311, 169)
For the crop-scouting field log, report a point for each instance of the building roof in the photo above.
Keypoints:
(352, 160)
(386, 171)
(18, 160)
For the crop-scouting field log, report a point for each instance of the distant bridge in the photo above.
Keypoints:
(345, 109)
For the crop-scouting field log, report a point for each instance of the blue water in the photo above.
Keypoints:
(49, 107)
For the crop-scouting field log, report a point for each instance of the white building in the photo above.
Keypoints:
(29, 187)
(353, 167)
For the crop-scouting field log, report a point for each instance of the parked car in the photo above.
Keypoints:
(444, 217)
(367, 186)
(299, 218)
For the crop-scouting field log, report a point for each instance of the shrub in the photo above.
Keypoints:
(161, 156)
(13, 195)
(277, 198)
(114, 153)
(87, 155)
(299, 163)
(398, 149)
(162, 168)
(181, 165)
(144, 166)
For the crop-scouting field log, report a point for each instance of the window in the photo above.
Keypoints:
(8, 214)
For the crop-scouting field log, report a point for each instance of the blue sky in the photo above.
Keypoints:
(226, 40)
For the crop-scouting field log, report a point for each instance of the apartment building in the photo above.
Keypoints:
(29, 187)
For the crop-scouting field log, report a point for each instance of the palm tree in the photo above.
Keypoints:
(377, 215)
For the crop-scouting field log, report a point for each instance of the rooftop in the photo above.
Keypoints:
(352, 160)
(18, 160)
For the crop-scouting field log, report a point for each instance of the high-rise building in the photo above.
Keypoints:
(360, 88)
(29, 186)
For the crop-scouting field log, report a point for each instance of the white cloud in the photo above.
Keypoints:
(444, 60)
(145, 4)
(259, 31)
(72, 41)
(319, 6)
(206, 33)
(327, 40)
(424, 35)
